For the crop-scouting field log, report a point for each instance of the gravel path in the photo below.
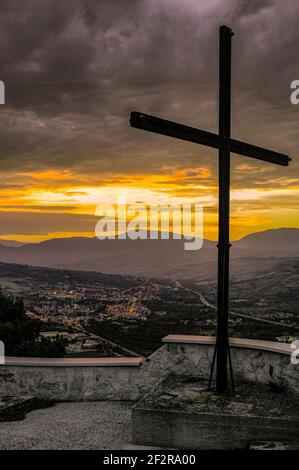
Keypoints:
(76, 425)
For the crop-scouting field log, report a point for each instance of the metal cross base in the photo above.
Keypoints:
(216, 349)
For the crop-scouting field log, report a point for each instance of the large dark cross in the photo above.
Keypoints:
(225, 144)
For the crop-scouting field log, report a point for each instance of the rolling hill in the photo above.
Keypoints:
(163, 258)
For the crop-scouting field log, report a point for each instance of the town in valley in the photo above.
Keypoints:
(111, 315)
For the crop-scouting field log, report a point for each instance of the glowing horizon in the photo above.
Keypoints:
(55, 193)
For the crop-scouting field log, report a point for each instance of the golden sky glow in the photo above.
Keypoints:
(55, 194)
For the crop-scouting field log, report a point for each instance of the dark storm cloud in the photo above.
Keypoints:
(32, 223)
(74, 71)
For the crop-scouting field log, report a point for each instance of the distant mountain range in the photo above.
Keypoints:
(162, 258)
(10, 243)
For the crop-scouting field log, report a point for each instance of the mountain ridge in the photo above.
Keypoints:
(166, 258)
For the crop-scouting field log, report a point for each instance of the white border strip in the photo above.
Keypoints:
(74, 362)
(271, 346)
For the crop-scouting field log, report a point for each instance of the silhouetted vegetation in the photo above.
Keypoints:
(21, 335)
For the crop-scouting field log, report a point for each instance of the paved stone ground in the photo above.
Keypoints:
(74, 425)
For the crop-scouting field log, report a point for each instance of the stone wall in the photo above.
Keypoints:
(130, 378)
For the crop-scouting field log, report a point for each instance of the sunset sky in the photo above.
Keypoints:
(75, 70)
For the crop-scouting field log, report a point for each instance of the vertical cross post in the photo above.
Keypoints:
(222, 345)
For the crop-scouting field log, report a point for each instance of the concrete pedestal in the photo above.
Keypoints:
(181, 413)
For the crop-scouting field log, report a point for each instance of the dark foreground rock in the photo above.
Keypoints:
(15, 408)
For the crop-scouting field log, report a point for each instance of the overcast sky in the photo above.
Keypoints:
(73, 72)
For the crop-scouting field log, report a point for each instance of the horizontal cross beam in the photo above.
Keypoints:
(198, 136)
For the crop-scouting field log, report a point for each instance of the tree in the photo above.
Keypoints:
(21, 335)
